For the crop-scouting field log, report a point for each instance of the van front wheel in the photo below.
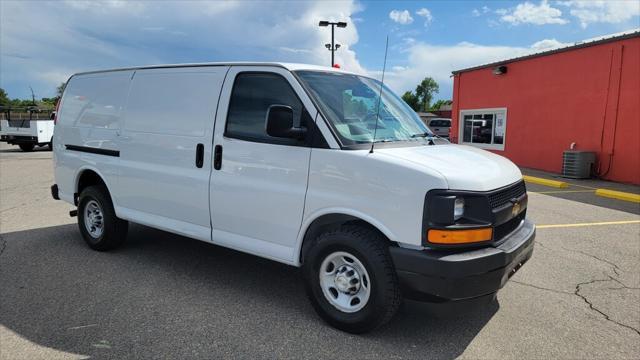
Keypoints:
(100, 227)
(350, 279)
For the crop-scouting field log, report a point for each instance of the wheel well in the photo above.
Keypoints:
(87, 178)
(328, 222)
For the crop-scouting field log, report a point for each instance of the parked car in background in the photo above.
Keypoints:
(440, 126)
(310, 166)
(26, 128)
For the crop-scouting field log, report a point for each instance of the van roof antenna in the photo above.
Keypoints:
(384, 67)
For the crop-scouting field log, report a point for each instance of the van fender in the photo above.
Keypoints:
(336, 211)
(79, 173)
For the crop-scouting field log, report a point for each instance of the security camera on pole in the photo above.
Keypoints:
(333, 46)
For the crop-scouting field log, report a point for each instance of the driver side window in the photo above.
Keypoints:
(251, 97)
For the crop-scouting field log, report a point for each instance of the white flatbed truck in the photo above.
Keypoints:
(27, 131)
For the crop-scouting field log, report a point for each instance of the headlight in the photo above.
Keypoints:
(458, 208)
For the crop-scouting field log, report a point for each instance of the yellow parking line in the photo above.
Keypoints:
(582, 186)
(620, 195)
(588, 224)
(561, 191)
(546, 182)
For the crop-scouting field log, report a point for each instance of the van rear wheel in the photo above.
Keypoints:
(350, 279)
(100, 227)
(26, 147)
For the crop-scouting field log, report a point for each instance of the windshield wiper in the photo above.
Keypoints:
(425, 135)
(429, 136)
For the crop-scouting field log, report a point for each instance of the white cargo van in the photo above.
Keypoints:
(275, 160)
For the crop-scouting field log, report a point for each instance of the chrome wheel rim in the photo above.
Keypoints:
(93, 219)
(345, 282)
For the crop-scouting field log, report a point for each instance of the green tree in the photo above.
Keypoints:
(49, 102)
(412, 100)
(18, 103)
(425, 91)
(436, 106)
(60, 90)
(4, 99)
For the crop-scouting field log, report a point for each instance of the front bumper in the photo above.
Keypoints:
(435, 275)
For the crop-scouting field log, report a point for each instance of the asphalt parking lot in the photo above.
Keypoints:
(165, 296)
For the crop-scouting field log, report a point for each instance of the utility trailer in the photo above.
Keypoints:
(27, 128)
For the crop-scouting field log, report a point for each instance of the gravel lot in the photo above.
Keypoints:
(165, 296)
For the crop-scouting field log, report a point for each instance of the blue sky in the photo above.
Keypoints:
(476, 22)
(42, 43)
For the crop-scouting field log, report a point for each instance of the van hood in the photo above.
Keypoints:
(463, 167)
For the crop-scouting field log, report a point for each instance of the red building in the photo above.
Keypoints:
(532, 108)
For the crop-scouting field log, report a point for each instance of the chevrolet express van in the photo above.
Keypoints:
(277, 160)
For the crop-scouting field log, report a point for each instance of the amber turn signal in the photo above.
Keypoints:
(452, 237)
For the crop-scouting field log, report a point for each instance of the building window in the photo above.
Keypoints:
(484, 128)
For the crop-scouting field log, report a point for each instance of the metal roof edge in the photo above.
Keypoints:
(577, 45)
(284, 65)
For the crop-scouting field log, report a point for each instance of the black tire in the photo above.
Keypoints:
(114, 230)
(26, 147)
(371, 249)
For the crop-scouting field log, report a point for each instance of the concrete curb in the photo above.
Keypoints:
(620, 195)
(546, 182)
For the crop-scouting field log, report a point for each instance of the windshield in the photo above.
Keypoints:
(350, 102)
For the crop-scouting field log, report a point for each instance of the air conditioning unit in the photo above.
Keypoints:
(577, 164)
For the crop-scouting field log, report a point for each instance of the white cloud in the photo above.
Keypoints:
(548, 44)
(426, 14)
(105, 6)
(407, 41)
(609, 11)
(296, 51)
(401, 16)
(502, 11)
(439, 61)
(529, 13)
(477, 12)
(42, 43)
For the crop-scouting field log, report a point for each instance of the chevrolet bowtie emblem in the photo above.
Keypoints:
(515, 210)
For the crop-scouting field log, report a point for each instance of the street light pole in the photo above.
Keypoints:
(333, 46)
(333, 49)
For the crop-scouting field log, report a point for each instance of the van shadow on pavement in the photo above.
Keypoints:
(166, 296)
(16, 149)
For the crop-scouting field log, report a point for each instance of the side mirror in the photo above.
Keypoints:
(279, 123)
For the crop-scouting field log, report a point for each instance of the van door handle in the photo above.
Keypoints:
(199, 155)
(217, 157)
